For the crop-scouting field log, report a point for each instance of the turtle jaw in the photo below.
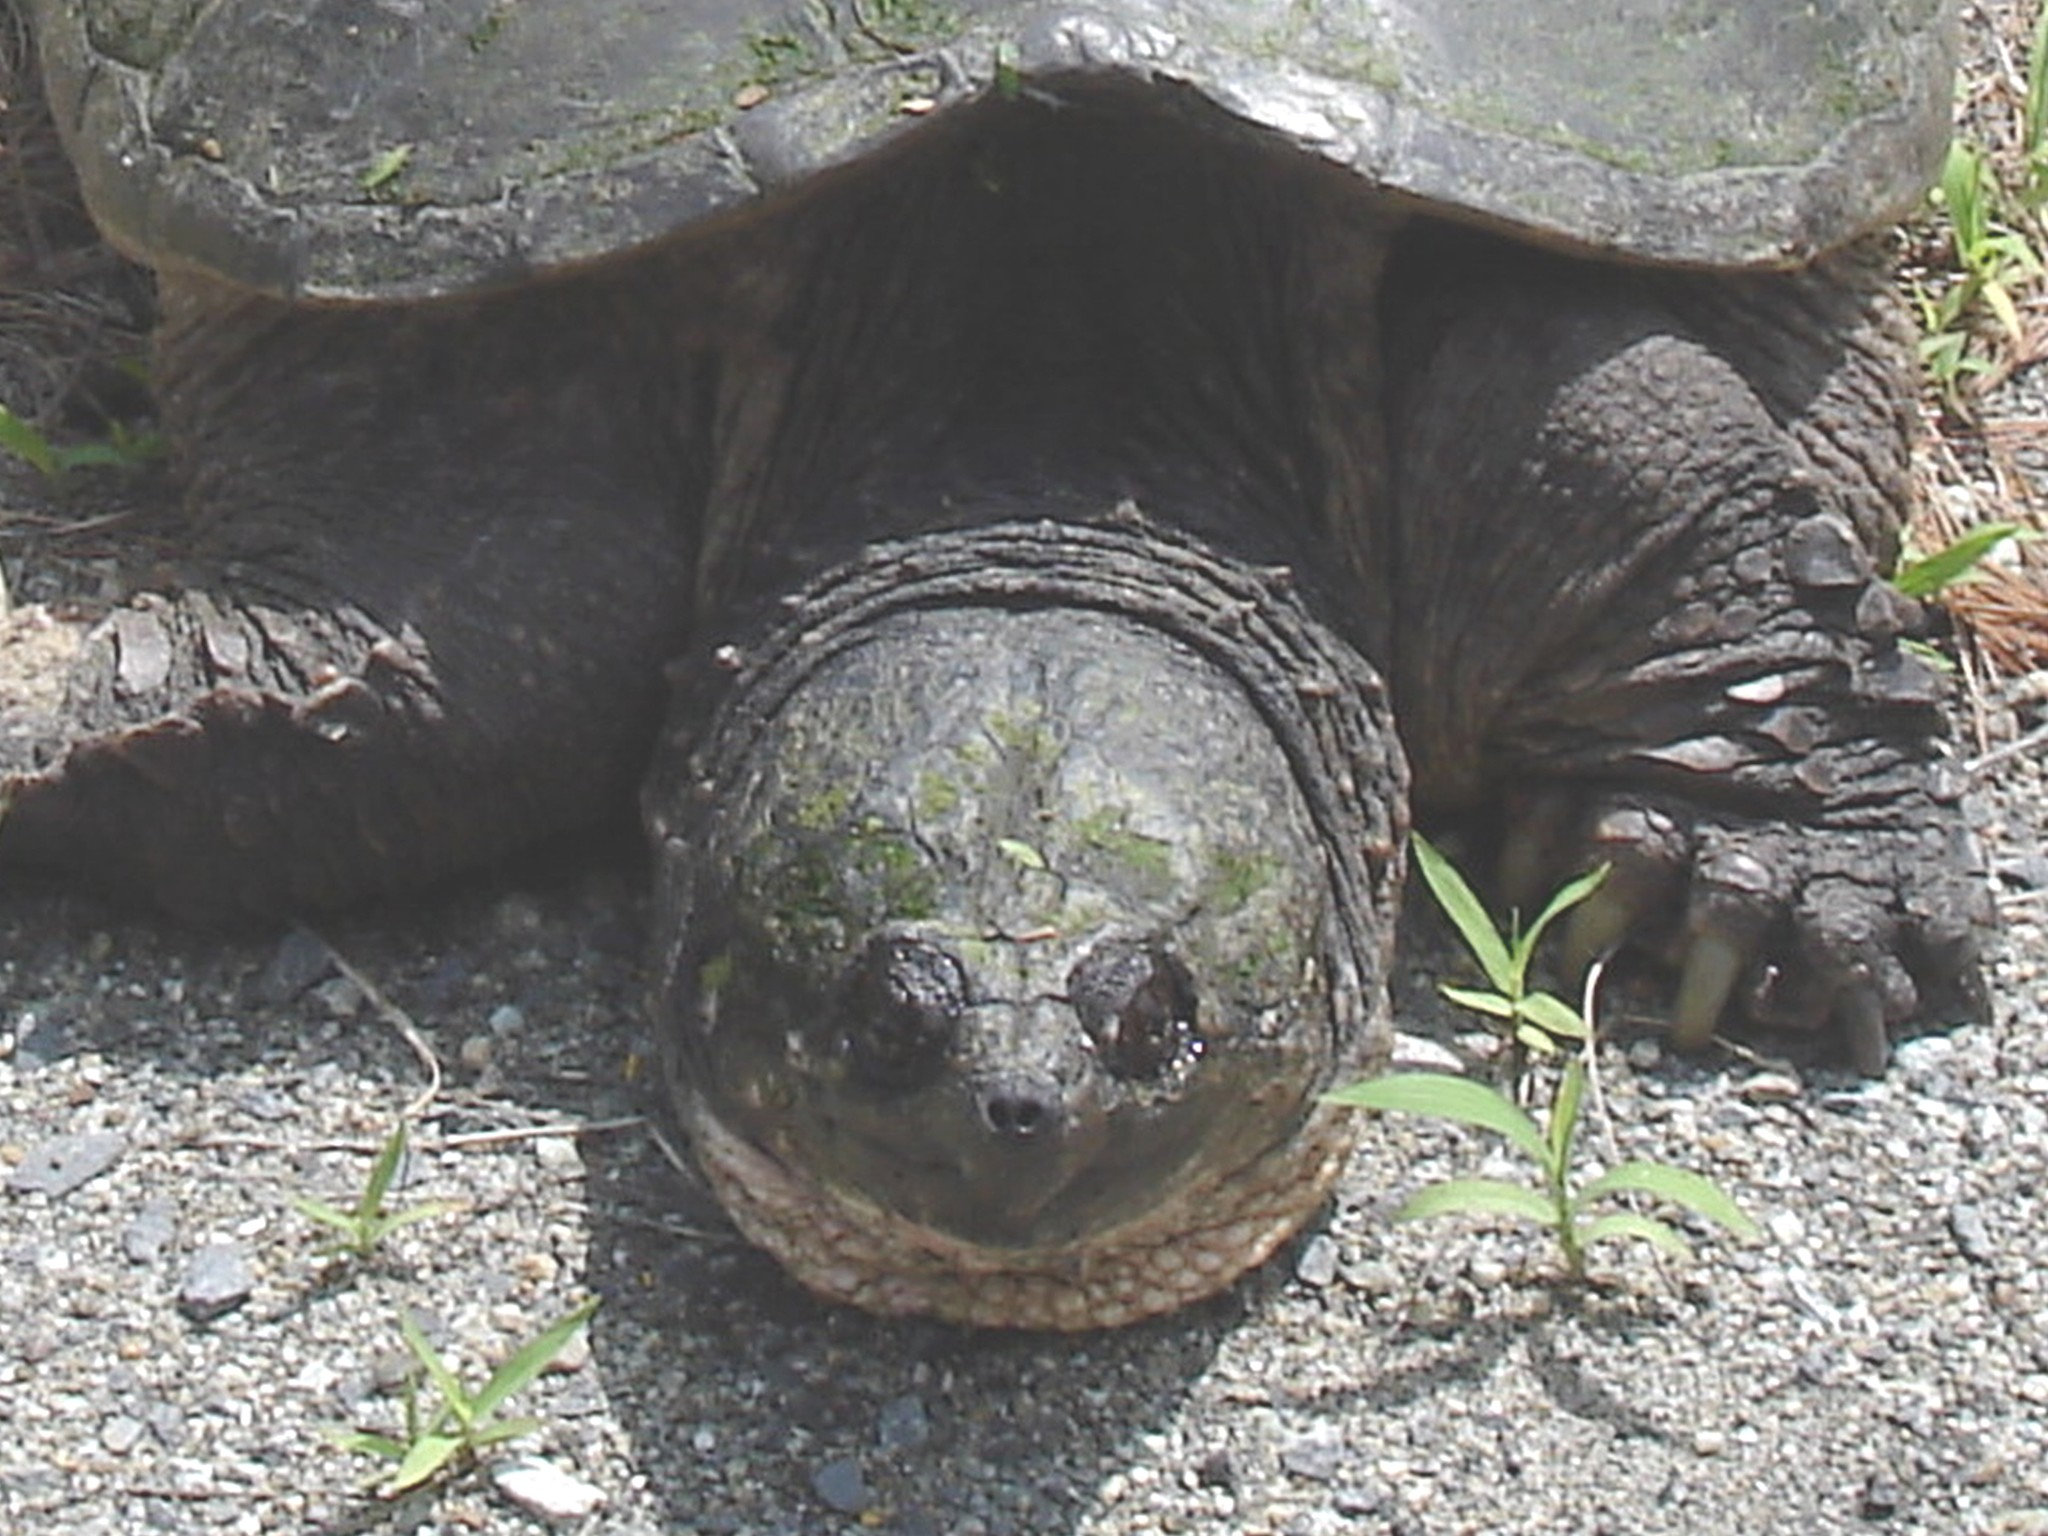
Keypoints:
(846, 1248)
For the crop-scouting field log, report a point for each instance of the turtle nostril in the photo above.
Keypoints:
(1018, 1116)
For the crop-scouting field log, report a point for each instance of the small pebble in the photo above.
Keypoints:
(300, 960)
(1645, 1054)
(121, 1434)
(1785, 1227)
(476, 1052)
(541, 1488)
(903, 1424)
(1882, 1496)
(558, 1155)
(841, 1486)
(1972, 1234)
(217, 1281)
(1317, 1456)
(1317, 1264)
(151, 1231)
(505, 1019)
(1709, 1442)
(58, 1166)
(1771, 1088)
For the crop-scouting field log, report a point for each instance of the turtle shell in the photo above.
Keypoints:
(396, 148)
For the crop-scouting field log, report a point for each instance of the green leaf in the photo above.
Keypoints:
(1465, 913)
(25, 441)
(1628, 1224)
(363, 1442)
(1478, 1197)
(387, 1225)
(1680, 1186)
(1444, 1097)
(1021, 854)
(1553, 1014)
(1529, 1037)
(1564, 1117)
(423, 1458)
(1927, 577)
(1490, 1003)
(322, 1212)
(1567, 897)
(451, 1390)
(386, 168)
(500, 1430)
(382, 1172)
(532, 1358)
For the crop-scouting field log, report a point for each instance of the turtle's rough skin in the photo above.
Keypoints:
(1037, 521)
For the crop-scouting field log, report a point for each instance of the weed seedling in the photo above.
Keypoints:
(122, 448)
(1536, 1020)
(359, 1232)
(1557, 1200)
(464, 1424)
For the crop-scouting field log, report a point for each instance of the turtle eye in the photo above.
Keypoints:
(900, 1006)
(1137, 1003)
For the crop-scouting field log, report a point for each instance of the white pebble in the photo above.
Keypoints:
(542, 1489)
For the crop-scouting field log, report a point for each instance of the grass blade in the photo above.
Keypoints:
(444, 1380)
(423, 1458)
(1477, 1197)
(531, 1358)
(1628, 1224)
(1927, 577)
(1564, 1118)
(1567, 897)
(1681, 1187)
(382, 1172)
(1444, 1097)
(1465, 913)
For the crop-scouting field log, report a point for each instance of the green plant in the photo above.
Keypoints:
(122, 448)
(1537, 1020)
(1556, 1201)
(1928, 575)
(465, 1423)
(358, 1232)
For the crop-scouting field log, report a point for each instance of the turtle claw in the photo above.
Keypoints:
(1854, 933)
(1714, 963)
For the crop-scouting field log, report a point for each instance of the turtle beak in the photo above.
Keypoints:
(1014, 1129)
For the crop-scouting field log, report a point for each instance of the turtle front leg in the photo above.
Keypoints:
(1640, 520)
(435, 560)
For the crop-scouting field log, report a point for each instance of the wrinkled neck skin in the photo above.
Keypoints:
(1090, 295)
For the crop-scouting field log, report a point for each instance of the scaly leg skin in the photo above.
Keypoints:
(1640, 519)
(431, 571)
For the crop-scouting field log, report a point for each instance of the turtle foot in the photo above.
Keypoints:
(1854, 924)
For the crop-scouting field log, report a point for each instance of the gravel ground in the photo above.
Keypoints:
(173, 1342)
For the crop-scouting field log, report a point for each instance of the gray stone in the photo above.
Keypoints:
(58, 1166)
(1317, 1265)
(1972, 1234)
(841, 1486)
(903, 1424)
(217, 1281)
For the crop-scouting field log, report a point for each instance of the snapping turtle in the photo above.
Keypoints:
(1037, 451)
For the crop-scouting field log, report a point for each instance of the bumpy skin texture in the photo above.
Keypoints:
(1647, 604)
(1610, 536)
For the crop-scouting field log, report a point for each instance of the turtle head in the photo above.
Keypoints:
(1013, 942)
